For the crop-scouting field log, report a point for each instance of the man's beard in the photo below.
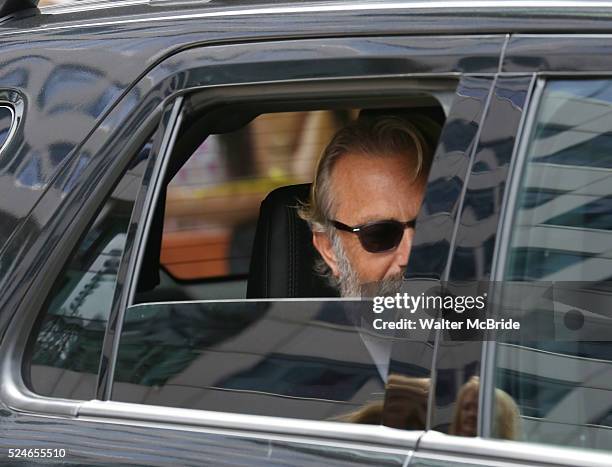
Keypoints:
(349, 283)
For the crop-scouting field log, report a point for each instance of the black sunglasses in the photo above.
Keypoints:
(376, 237)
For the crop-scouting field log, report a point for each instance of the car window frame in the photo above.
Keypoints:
(129, 278)
(12, 126)
(271, 420)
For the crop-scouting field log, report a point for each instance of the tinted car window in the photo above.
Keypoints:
(65, 347)
(286, 359)
(562, 233)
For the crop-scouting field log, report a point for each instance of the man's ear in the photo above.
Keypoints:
(323, 244)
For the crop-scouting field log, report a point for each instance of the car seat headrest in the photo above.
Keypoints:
(283, 258)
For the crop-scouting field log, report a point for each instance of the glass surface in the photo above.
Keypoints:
(300, 359)
(562, 231)
(64, 351)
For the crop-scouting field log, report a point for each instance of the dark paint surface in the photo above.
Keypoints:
(483, 199)
(349, 16)
(72, 80)
(436, 221)
(94, 443)
(557, 53)
(74, 66)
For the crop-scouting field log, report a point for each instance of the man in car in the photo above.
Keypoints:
(367, 191)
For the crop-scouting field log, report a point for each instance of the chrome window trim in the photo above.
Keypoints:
(13, 391)
(270, 437)
(487, 364)
(89, 5)
(562, 74)
(251, 425)
(12, 101)
(503, 54)
(135, 260)
(353, 7)
(12, 126)
(511, 452)
(243, 300)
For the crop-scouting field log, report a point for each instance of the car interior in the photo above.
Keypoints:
(265, 154)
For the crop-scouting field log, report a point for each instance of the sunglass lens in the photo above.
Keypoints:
(382, 236)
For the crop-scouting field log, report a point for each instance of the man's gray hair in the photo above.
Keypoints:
(377, 137)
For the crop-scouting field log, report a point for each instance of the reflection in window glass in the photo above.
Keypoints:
(562, 229)
(285, 359)
(562, 232)
(65, 348)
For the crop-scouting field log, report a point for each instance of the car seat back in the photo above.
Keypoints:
(283, 258)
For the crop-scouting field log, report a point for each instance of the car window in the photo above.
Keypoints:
(212, 202)
(561, 238)
(63, 354)
(299, 359)
(194, 342)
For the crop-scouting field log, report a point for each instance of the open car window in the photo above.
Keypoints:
(191, 340)
(210, 212)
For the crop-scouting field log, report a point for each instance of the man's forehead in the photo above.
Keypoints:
(367, 189)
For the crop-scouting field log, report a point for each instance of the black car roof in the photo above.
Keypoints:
(390, 16)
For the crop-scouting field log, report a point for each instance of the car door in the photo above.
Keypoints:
(543, 393)
(149, 117)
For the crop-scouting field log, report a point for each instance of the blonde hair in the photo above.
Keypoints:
(507, 415)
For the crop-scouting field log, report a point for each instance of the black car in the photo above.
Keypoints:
(152, 313)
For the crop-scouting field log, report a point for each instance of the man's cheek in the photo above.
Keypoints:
(372, 267)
